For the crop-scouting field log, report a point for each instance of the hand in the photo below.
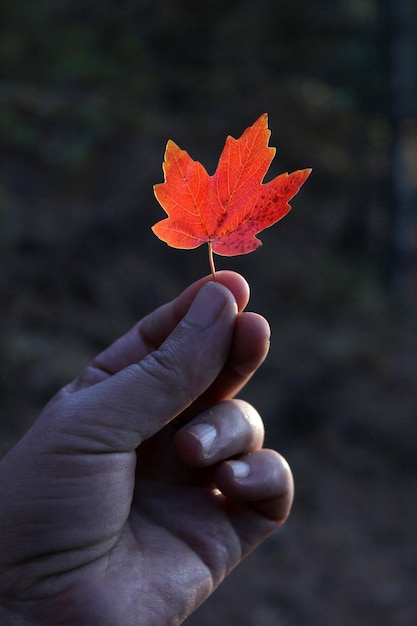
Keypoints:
(143, 482)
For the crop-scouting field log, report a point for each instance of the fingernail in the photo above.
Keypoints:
(207, 305)
(206, 434)
(240, 469)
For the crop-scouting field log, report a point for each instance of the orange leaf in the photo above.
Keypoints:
(228, 209)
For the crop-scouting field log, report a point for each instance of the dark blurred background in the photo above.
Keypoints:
(89, 94)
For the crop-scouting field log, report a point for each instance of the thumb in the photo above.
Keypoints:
(131, 406)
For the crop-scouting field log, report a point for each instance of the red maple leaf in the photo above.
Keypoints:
(228, 209)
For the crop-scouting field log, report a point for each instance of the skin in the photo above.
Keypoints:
(144, 482)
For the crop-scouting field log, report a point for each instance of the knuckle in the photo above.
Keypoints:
(167, 373)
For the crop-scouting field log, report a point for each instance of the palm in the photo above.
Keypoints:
(180, 535)
(170, 532)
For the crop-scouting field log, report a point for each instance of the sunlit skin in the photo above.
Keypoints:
(144, 481)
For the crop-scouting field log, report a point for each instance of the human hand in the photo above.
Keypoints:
(143, 482)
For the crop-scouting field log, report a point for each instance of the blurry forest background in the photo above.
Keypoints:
(89, 94)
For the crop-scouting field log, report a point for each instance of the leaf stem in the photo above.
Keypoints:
(211, 260)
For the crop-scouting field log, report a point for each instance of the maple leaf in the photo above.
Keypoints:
(226, 210)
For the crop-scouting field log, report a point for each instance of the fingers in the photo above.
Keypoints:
(223, 431)
(134, 404)
(229, 437)
(248, 349)
(148, 334)
(262, 479)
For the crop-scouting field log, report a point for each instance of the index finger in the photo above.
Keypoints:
(149, 333)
